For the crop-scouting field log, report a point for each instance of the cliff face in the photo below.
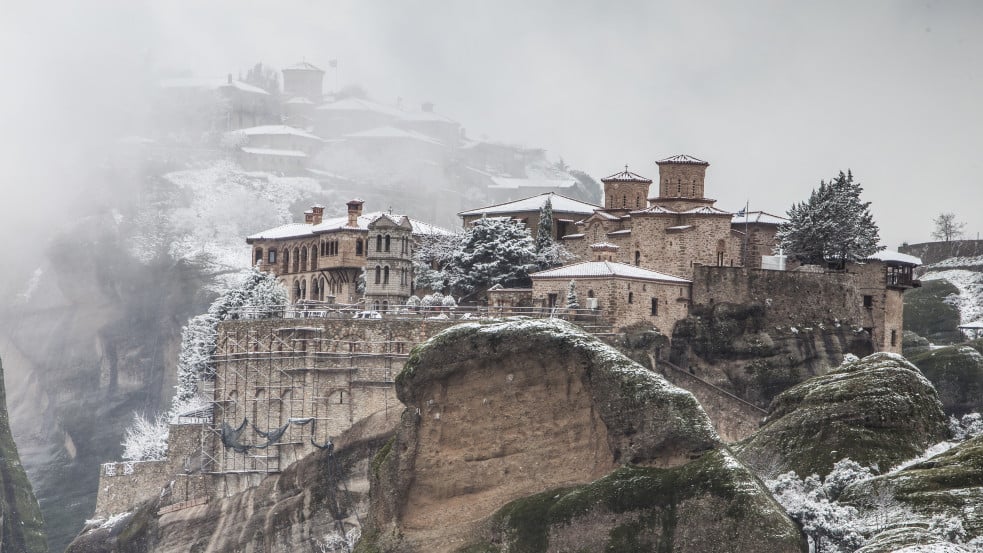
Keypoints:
(21, 526)
(878, 411)
(311, 506)
(512, 438)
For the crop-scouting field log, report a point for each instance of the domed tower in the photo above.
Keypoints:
(681, 183)
(626, 190)
(303, 80)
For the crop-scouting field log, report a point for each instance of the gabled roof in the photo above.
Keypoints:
(707, 210)
(393, 132)
(300, 230)
(657, 209)
(560, 204)
(392, 219)
(303, 66)
(211, 84)
(758, 218)
(277, 130)
(626, 176)
(361, 104)
(682, 158)
(602, 269)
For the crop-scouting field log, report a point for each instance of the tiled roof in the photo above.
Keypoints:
(758, 218)
(707, 210)
(626, 176)
(303, 66)
(560, 204)
(595, 269)
(299, 230)
(682, 158)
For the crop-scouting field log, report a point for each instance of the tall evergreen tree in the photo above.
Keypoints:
(544, 232)
(832, 226)
(493, 251)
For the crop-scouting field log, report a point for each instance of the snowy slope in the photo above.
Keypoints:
(968, 278)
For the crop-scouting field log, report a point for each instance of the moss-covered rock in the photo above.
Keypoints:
(879, 410)
(913, 344)
(21, 526)
(949, 484)
(927, 314)
(610, 456)
(711, 504)
(957, 374)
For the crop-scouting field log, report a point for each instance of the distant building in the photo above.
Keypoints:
(566, 212)
(389, 264)
(277, 149)
(303, 80)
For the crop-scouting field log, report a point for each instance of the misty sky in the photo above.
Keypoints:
(775, 95)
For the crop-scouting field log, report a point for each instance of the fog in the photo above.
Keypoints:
(776, 95)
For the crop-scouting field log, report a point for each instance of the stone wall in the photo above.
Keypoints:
(933, 252)
(624, 301)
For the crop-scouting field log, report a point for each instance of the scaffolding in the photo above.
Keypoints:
(295, 379)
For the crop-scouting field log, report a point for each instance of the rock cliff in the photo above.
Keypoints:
(533, 436)
(957, 374)
(21, 526)
(879, 410)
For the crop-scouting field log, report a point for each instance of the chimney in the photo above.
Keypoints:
(317, 212)
(427, 107)
(309, 217)
(354, 211)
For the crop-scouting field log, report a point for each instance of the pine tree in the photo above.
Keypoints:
(832, 226)
(493, 251)
(572, 302)
(544, 232)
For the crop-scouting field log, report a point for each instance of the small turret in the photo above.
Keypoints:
(626, 190)
(354, 212)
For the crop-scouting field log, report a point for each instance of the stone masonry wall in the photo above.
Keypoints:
(613, 299)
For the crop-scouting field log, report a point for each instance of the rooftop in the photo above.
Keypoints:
(303, 66)
(273, 152)
(277, 130)
(560, 204)
(211, 84)
(682, 158)
(300, 230)
(889, 256)
(626, 176)
(601, 269)
(531, 182)
(393, 132)
(758, 217)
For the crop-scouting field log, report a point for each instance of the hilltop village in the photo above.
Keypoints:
(652, 257)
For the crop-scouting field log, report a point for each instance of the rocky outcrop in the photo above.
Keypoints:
(928, 314)
(739, 349)
(949, 484)
(879, 410)
(21, 526)
(309, 506)
(957, 374)
(528, 435)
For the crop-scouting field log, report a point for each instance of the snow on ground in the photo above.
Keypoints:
(970, 285)
(221, 205)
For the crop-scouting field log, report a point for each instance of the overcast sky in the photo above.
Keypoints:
(775, 95)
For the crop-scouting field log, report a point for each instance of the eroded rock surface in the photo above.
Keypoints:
(957, 374)
(879, 410)
(506, 422)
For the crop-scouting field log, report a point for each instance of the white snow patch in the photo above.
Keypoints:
(970, 285)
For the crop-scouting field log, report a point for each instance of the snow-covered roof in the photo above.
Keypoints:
(626, 176)
(604, 246)
(425, 116)
(560, 204)
(758, 218)
(299, 100)
(975, 325)
(300, 230)
(303, 66)
(601, 269)
(682, 158)
(620, 232)
(277, 130)
(273, 152)
(361, 104)
(212, 84)
(889, 256)
(393, 132)
(706, 210)
(531, 182)
(680, 227)
(572, 236)
(657, 209)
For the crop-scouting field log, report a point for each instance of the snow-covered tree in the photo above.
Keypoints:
(448, 301)
(432, 253)
(544, 231)
(572, 302)
(553, 255)
(493, 251)
(833, 225)
(413, 301)
(146, 440)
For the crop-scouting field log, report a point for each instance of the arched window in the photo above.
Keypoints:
(296, 267)
(378, 243)
(296, 290)
(385, 306)
(378, 274)
(590, 293)
(315, 289)
(286, 260)
(631, 297)
(303, 289)
(313, 258)
(387, 243)
(358, 247)
(385, 275)
(259, 256)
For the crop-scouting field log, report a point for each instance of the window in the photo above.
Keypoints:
(259, 255)
(385, 275)
(358, 247)
(313, 258)
(869, 302)
(638, 257)
(378, 243)
(655, 306)
(271, 256)
(387, 243)
(551, 300)
(631, 297)
(894, 337)
(378, 274)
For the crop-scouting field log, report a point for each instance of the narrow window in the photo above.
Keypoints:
(387, 243)
(631, 297)
(259, 255)
(378, 274)
(385, 275)
(894, 337)
(358, 247)
(378, 243)
(272, 256)
(638, 257)
(655, 306)
(868, 301)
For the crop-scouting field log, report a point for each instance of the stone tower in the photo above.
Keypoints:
(389, 262)
(626, 190)
(681, 183)
(303, 80)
